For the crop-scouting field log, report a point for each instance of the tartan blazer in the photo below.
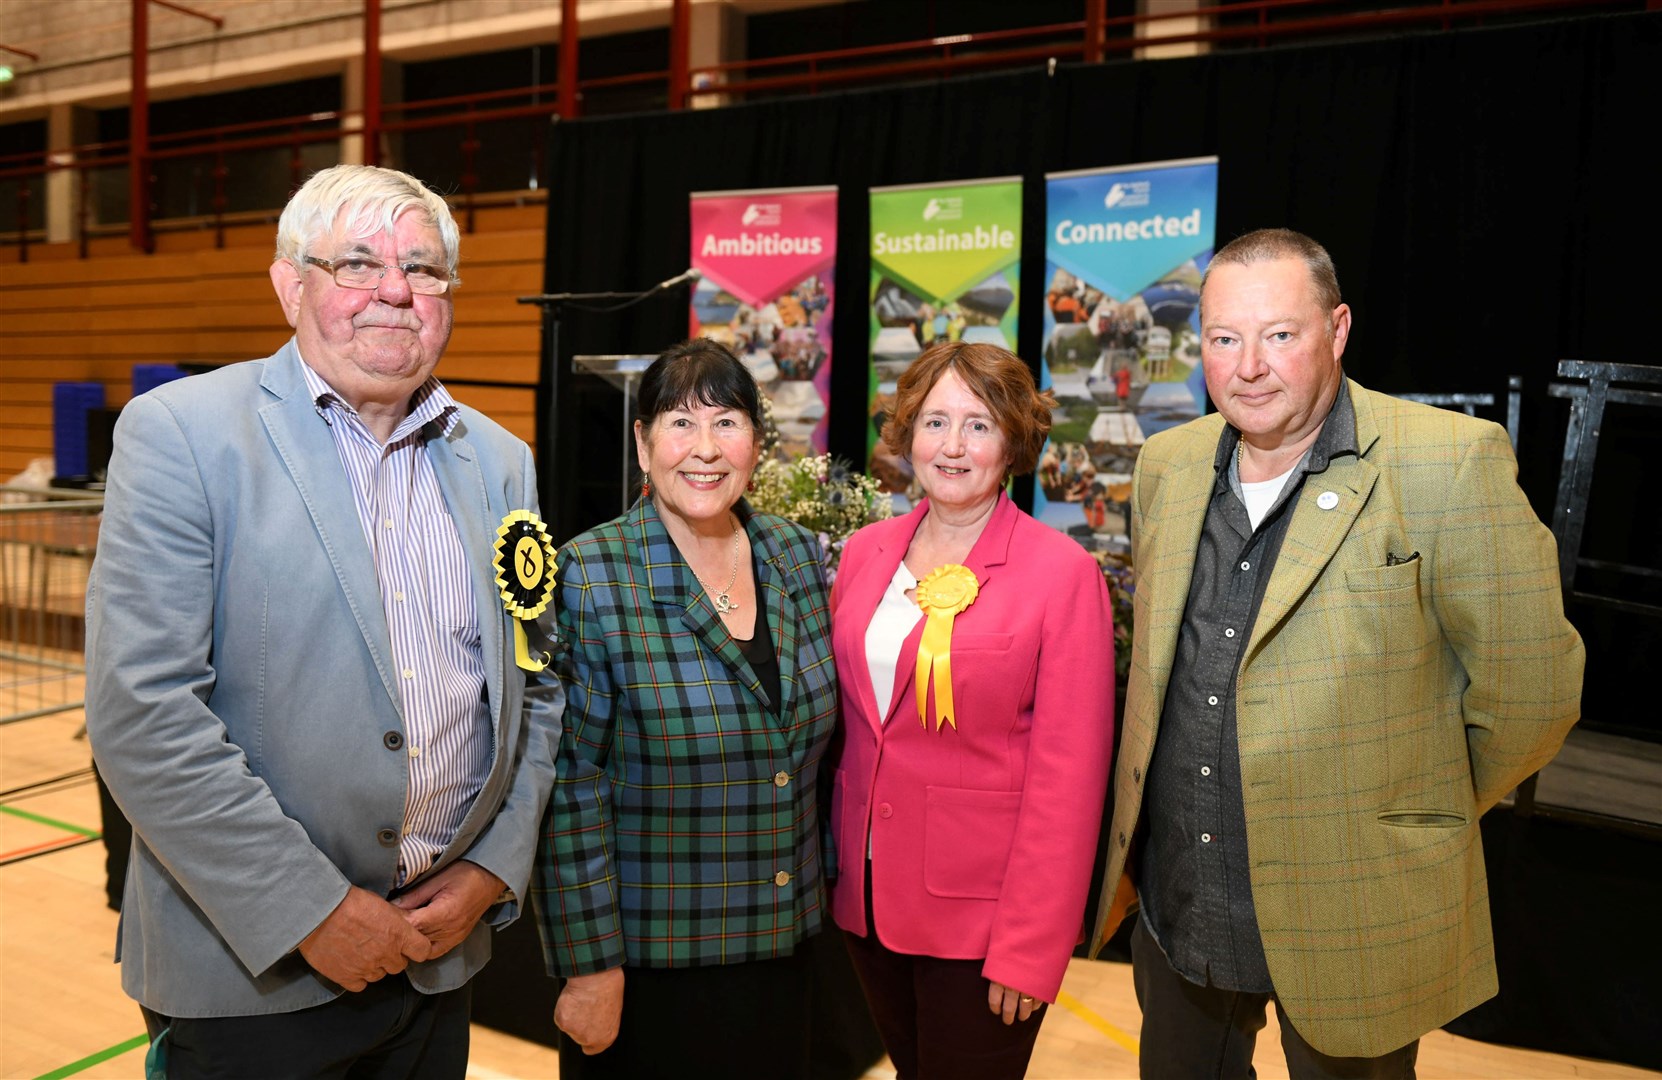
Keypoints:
(1383, 707)
(684, 828)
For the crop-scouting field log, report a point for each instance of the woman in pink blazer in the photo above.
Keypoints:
(975, 655)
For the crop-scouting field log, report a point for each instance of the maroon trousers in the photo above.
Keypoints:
(933, 1014)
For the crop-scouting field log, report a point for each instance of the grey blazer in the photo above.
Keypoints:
(240, 690)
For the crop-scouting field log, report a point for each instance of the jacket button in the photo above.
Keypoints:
(392, 740)
(388, 837)
(1122, 840)
(1137, 774)
(884, 810)
(781, 778)
(782, 878)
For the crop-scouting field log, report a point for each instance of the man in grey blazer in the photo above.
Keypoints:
(303, 685)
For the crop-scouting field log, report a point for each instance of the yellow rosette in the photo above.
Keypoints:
(942, 594)
(524, 565)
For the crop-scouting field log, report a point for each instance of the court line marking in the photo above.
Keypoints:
(45, 847)
(41, 819)
(94, 1059)
(1081, 1010)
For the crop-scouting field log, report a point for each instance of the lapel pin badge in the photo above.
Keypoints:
(1327, 500)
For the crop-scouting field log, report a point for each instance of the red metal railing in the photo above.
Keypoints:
(1098, 35)
(1241, 23)
(875, 63)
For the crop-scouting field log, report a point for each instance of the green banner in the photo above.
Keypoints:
(945, 265)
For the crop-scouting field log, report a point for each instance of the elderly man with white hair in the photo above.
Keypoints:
(316, 662)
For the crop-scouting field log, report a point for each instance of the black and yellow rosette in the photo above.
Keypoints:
(524, 564)
(942, 594)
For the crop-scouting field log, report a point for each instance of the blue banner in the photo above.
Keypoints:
(1125, 248)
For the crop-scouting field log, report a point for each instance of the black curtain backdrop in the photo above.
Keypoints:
(1483, 194)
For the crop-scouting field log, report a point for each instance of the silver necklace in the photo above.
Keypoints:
(723, 600)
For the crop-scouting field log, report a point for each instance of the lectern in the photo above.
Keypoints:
(621, 371)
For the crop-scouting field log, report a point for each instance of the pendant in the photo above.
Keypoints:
(725, 603)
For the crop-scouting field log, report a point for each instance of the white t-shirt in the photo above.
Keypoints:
(1261, 495)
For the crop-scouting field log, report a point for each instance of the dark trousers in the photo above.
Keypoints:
(1194, 1031)
(844, 1043)
(717, 1022)
(118, 842)
(388, 1031)
(933, 1016)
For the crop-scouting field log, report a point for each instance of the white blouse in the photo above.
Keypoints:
(894, 619)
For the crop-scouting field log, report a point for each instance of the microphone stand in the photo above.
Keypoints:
(550, 303)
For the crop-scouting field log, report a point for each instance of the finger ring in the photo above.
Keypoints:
(1027, 999)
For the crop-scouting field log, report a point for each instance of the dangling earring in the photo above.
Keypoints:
(751, 486)
(646, 487)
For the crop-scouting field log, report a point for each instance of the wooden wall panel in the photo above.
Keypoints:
(463, 366)
(66, 319)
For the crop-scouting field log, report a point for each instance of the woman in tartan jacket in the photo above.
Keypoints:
(680, 869)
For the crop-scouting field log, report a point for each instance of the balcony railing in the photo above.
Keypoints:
(476, 144)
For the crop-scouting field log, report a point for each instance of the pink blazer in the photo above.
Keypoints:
(981, 838)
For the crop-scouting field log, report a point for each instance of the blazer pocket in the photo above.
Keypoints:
(982, 642)
(1384, 578)
(1422, 819)
(966, 841)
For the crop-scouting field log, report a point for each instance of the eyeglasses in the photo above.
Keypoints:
(363, 272)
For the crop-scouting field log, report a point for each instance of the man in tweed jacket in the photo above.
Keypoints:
(1350, 643)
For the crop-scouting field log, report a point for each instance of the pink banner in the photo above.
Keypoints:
(767, 260)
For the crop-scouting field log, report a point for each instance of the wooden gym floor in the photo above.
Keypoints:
(65, 1015)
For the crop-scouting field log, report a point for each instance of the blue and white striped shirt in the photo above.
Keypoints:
(424, 574)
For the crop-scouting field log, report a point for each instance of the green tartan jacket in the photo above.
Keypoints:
(1385, 704)
(685, 826)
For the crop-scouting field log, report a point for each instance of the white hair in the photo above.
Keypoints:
(364, 200)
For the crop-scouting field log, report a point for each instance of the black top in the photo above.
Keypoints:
(759, 650)
(1195, 879)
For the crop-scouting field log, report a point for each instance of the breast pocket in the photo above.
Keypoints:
(449, 577)
(982, 643)
(1384, 578)
(983, 684)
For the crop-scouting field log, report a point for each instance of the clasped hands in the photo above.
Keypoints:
(367, 937)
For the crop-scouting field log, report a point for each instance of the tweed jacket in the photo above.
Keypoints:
(685, 826)
(1383, 707)
(981, 835)
(242, 696)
